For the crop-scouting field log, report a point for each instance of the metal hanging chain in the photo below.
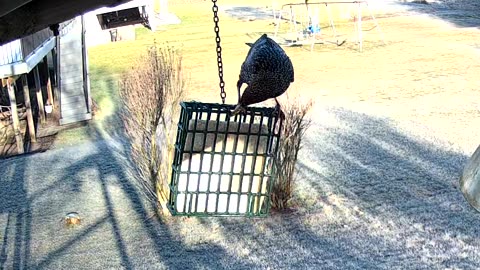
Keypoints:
(223, 95)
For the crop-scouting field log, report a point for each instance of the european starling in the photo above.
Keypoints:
(267, 71)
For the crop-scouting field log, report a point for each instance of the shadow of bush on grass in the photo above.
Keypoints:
(373, 163)
(394, 204)
(119, 227)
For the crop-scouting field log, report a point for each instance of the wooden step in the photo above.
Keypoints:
(75, 118)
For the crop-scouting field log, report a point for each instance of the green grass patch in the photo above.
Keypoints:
(109, 61)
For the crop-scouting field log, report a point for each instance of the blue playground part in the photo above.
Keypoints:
(314, 29)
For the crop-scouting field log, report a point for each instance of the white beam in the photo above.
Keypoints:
(29, 62)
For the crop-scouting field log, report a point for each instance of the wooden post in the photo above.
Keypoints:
(57, 90)
(49, 82)
(38, 88)
(28, 107)
(15, 120)
(86, 79)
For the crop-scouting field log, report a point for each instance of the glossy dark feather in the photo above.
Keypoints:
(267, 71)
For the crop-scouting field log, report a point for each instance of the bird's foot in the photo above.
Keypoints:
(239, 109)
(278, 110)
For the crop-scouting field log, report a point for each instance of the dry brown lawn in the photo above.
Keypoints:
(427, 70)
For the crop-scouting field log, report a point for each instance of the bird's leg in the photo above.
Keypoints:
(278, 108)
(239, 109)
(239, 85)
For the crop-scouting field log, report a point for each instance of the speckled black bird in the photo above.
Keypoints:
(267, 71)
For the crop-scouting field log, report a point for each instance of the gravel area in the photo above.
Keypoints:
(377, 189)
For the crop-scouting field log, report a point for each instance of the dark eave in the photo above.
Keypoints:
(25, 17)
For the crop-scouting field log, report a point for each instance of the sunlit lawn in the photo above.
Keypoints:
(195, 39)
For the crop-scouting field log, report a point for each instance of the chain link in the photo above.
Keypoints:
(223, 95)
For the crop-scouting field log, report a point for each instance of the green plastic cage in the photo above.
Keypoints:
(224, 164)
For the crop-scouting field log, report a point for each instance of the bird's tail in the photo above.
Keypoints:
(250, 44)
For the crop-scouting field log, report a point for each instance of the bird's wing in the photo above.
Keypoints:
(251, 95)
(265, 56)
(253, 64)
(262, 58)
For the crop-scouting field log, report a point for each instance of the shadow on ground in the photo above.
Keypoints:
(119, 227)
(249, 13)
(397, 208)
(461, 13)
(382, 199)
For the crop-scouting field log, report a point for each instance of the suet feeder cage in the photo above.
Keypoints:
(224, 164)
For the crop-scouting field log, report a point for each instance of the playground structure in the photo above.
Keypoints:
(306, 23)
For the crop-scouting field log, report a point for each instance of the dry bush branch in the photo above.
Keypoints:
(151, 91)
(293, 131)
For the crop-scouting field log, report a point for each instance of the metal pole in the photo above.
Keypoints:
(278, 20)
(294, 20)
(376, 25)
(330, 18)
(359, 25)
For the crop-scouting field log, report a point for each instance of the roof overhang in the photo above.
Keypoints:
(30, 61)
(25, 17)
(7, 6)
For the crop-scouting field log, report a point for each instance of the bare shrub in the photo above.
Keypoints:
(293, 131)
(150, 93)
